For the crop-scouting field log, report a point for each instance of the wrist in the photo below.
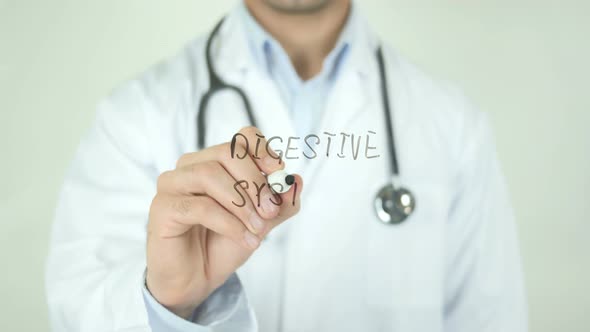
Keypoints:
(182, 301)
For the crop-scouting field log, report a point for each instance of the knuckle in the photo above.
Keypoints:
(224, 147)
(195, 170)
(224, 151)
(203, 174)
(205, 207)
(157, 209)
(209, 169)
(155, 204)
(249, 131)
(163, 180)
(182, 207)
(183, 160)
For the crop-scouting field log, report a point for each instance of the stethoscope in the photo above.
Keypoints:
(393, 204)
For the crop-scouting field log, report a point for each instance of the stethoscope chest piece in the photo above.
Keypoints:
(394, 205)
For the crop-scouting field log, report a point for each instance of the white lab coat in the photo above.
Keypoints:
(452, 266)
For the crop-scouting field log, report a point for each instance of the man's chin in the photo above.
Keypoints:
(297, 7)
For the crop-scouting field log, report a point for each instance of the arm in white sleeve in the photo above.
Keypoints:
(96, 263)
(484, 282)
(220, 312)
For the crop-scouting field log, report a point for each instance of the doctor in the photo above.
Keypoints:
(146, 236)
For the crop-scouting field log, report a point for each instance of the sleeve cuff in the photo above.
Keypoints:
(224, 310)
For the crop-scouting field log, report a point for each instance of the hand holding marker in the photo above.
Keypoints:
(196, 237)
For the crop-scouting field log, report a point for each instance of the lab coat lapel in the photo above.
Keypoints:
(272, 115)
(353, 91)
(236, 65)
(350, 93)
(347, 100)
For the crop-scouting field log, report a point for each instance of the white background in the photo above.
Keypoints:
(526, 64)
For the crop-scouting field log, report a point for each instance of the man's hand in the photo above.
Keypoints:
(196, 236)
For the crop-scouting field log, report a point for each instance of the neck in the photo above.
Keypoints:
(307, 37)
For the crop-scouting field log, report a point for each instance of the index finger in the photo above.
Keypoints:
(289, 202)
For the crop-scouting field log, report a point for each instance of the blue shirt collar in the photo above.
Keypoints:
(268, 53)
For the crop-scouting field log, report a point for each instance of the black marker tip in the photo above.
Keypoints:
(289, 179)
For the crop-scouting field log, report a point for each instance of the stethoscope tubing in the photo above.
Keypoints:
(393, 205)
(216, 84)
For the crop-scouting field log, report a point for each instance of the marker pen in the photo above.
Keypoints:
(280, 181)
